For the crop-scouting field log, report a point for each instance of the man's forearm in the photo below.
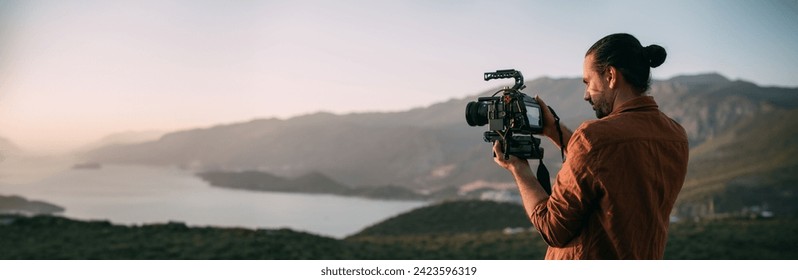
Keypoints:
(532, 192)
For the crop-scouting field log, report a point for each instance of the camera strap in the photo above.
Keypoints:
(543, 172)
(559, 131)
(543, 177)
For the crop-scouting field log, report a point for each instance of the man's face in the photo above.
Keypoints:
(597, 90)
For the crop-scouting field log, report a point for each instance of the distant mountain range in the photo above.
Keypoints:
(20, 205)
(123, 138)
(7, 147)
(742, 137)
(7, 150)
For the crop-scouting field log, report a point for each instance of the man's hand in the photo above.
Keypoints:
(513, 164)
(550, 127)
(532, 193)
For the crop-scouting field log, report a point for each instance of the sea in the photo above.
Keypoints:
(139, 195)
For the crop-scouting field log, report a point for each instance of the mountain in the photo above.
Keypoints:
(709, 105)
(314, 183)
(452, 217)
(20, 166)
(423, 148)
(752, 164)
(124, 138)
(17, 204)
(747, 128)
(8, 148)
(743, 144)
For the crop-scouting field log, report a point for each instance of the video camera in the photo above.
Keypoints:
(512, 118)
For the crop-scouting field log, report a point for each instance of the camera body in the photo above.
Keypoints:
(512, 118)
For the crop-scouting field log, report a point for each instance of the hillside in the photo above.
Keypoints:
(468, 216)
(406, 237)
(751, 164)
(17, 204)
(490, 230)
(314, 182)
(432, 149)
(46, 237)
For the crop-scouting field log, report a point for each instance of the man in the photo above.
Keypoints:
(613, 196)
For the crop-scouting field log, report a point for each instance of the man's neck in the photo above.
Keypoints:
(625, 93)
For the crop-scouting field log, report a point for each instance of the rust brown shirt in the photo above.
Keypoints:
(613, 196)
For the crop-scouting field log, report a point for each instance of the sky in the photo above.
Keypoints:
(72, 72)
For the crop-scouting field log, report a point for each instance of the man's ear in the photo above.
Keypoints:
(612, 78)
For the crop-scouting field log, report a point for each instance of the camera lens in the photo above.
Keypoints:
(476, 113)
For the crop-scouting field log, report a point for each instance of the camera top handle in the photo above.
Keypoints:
(506, 74)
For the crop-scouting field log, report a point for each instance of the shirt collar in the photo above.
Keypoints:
(641, 103)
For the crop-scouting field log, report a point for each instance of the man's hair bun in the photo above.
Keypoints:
(655, 55)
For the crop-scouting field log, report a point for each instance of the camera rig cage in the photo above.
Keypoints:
(512, 119)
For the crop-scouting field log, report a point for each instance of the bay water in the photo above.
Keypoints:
(144, 195)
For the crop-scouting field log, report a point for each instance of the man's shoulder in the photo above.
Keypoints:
(586, 137)
(626, 128)
(596, 131)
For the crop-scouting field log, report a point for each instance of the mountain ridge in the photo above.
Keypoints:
(6, 146)
(21, 205)
(429, 149)
(310, 183)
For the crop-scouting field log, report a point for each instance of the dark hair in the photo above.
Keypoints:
(624, 52)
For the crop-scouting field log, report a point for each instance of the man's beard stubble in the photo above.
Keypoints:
(601, 107)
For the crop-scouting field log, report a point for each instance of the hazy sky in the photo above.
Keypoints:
(74, 71)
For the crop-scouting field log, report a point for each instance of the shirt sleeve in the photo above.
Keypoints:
(560, 218)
